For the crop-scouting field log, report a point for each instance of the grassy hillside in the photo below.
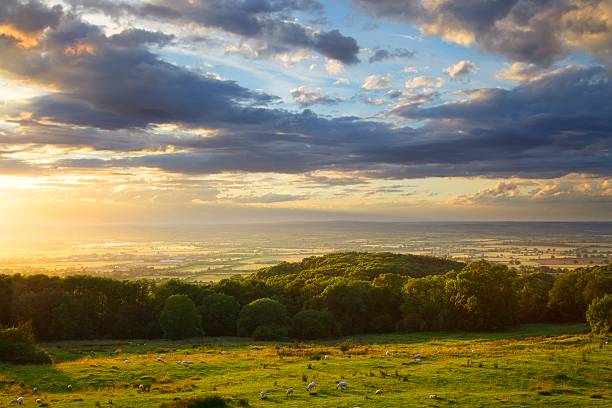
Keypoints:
(357, 265)
(533, 365)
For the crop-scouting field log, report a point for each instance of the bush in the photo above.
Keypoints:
(270, 332)
(17, 346)
(212, 401)
(312, 324)
(599, 314)
(261, 312)
(219, 314)
(180, 319)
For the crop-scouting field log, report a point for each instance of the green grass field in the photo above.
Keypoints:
(532, 365)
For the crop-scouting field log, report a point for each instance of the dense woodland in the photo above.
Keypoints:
(338, 294)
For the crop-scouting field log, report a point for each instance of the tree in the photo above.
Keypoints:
(179, 319)
(219, 314)
(533, 296)
(348, 300)
(312, 324)
(426, 305)
(483, 296)
(261, 312)
(599, 314)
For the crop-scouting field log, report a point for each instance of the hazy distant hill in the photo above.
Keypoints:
(357, 265)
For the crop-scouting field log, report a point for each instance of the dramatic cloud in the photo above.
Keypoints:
(380, 54)
(305, 96)
(520, 71)
(523, 30)
(376, 82)
(461, 70)
(266, 22)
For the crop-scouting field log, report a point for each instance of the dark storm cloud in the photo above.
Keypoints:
(382, 54)
(30, 16)
(523, 30)
(112, 91)
(267, 22)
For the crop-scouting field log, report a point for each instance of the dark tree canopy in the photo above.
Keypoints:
(179, 319)
(219, 314)
(262, 312)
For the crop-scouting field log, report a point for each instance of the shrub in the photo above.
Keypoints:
(261, 312)
(180, 319)
(219, 314)
(312, 324)
(212, 401)
(17, 346)
(599, 314)
(270, 332)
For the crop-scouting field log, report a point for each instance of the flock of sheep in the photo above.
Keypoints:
(342, 385)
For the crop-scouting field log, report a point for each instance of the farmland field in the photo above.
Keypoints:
(532, 365)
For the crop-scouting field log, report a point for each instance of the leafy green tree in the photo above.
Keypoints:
(533, 296)
(261, 312)
(270, 332)
(312, 324)
(219, 314)
(599, 314)
(426, 305)
(348, 301)
(17, 346)
(179, 319)
(484, 297)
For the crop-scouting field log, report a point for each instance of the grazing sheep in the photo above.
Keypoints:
(141, 387)
(160, 360)
(433, 396)
(185, 362)
(38, 400)
(289, 391)
(342, 385)
(69, 387)
(388, 353)
(126, 361)
(262, 394)
(326, 356)
(418, 355)
(311, 386)
(378, 392)
(34, 390)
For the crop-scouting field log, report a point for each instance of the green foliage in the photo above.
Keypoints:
(599, 314)
(483, 296)
(219, 314)
(212, 401)
(261, 312)
(574, 291)
(17, 346)
(533, 296)
(270, 332)
(312, 324)
(179, 319)
(426, 305)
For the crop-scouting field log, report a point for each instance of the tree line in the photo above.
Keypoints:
(338, 294)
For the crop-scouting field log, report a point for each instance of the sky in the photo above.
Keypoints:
(213, 111)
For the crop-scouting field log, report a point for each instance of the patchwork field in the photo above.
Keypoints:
(533, 365)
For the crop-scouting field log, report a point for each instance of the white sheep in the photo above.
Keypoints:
(342, 385)
(160, 360)
(326, 356)
(311, 386)
(418, 355)
(262, 394)
(34, 390)
(433, 396)
(289, 391)
(18, 401)
(69, 387)
(38, 400)
(388, 353)
(126, 361)
(185, 362)
(378, 392)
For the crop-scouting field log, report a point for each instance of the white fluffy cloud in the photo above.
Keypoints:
(461, 70)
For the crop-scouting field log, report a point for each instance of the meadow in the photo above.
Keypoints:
(530, 365)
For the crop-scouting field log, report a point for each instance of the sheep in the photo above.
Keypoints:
(289, 391)
(126, 361)
(34, 390)
(38, 400)
(311, 386)
(326, 356)
(185, 362)
(342, 385)
(433, 396)
(388, 353)
(262, 395)
(160, 360)
(17, 401)
(378, 392)
(418, 355)
(69, 387)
